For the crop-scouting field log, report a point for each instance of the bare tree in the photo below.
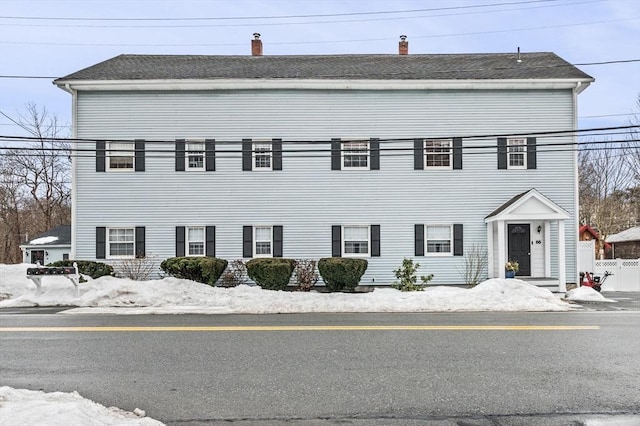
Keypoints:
(11, 206)
(34, 187)
(632, 146)
(603, 177)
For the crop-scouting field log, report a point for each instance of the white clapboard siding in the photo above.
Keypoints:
(307, 197)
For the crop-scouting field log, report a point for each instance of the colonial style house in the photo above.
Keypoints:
(431, 157)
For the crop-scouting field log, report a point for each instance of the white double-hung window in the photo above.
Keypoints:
(195, 241)
(438, 153)
(517, 153)
(121, 156)
(355, 155)
(121, 242)
(262, 156)
(263, 241)
(439, 239)
(355, 241)
(194, 155)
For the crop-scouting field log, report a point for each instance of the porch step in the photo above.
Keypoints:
(541, 281)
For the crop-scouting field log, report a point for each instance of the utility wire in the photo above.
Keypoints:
(323, 153)
(481, 136)
(306, 22)
(276, 16)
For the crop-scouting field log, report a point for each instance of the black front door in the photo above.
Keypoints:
(519, 247)
(37, 256)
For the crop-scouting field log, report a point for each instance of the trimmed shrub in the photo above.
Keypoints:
(87, 267)
(205, 270)
(271, 273)
(341, 273)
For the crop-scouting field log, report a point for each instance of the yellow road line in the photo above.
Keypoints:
(305, 328)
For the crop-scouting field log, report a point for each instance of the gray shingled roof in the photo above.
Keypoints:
(62, 232)
(504, 206)
(485, 66)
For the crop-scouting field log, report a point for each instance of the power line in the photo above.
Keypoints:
(240, 18)
(263, 24)
(491, 135)
(326, 153)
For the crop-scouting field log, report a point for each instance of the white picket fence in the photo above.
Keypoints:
(626, 274)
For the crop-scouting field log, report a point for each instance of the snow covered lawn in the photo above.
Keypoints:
(176, 296)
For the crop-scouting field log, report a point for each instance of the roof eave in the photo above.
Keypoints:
(578, 84)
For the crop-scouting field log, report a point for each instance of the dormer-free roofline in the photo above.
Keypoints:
(265, 84)
(349, 72)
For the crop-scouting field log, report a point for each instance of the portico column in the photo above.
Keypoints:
(490, 260)
(547, 249)
(562, 262)
(502, 249)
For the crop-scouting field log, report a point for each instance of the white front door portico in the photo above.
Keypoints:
(526, 228)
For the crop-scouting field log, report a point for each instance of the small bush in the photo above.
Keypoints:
(138, 269)
(205, 270)
(87, 267)
(306, 274)
(234, 275)
(407, 276)
(340, 273)
(271, 273)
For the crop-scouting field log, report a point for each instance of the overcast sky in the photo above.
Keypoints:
(53, 38)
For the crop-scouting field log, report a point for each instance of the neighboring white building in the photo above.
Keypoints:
(374, 156)
(48, 247)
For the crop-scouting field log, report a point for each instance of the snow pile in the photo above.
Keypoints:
(175, 296)
(24, 407)
(43, 240)
(586, 294)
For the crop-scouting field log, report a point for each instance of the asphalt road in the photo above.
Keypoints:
(462, 369)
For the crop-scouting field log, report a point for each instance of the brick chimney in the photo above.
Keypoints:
(256, 45)
(403, 46)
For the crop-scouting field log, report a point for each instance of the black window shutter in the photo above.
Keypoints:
(139, 155)
(101, 243)
(419, 239)
(277, 241)
(180, 155)
(374, 154)
(210, 155)
(336, 241)
(276, 150)
(531, 153)
(140, 246)
(457, 153)
(375, 240)
(247, 241)
(418, 154)
(458, 246)
(180, 241)
(336, 158)
(502, 153)
(100, 156)
(210, 241)
(247, 149)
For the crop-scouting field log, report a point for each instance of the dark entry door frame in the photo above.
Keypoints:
(37, 256)
(519, 246)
